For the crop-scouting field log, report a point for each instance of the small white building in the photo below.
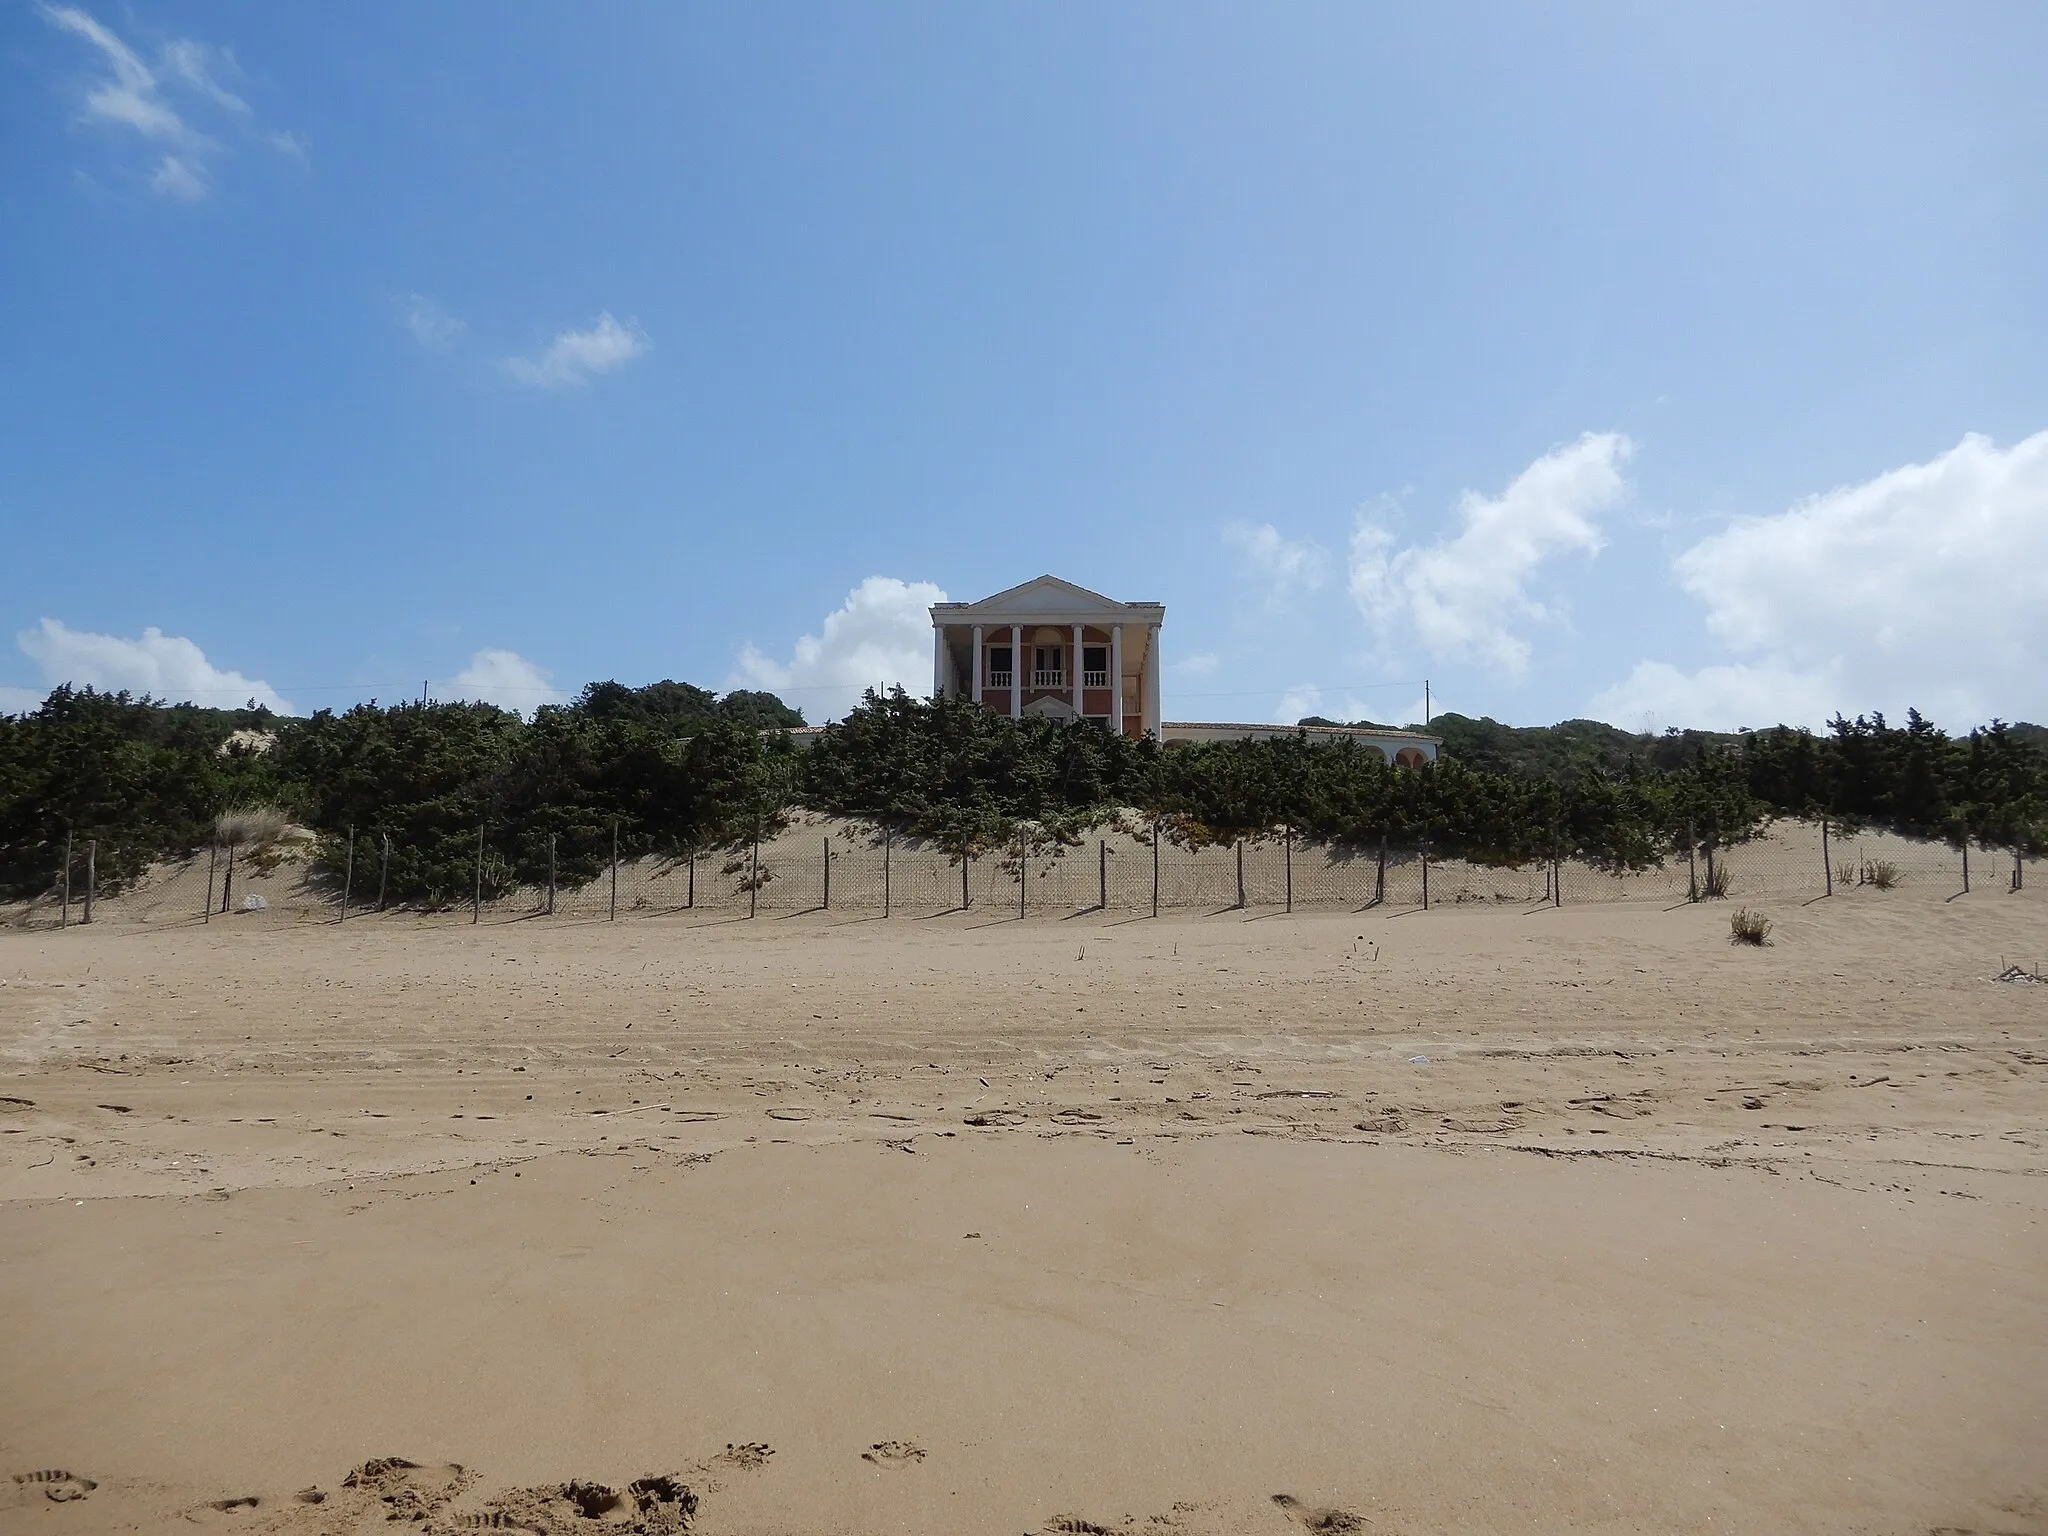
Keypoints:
(1051, 648)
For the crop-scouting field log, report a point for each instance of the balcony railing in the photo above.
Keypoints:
(1054, 677)
(1095, 679)
(998, 680)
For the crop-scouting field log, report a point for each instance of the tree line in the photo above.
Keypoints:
(672, 771)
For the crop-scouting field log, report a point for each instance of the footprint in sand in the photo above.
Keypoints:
(59, 1487)
(405, 1489)
(754, 1453)
(660, 1504)
(893, 1453)
(1311, 1517)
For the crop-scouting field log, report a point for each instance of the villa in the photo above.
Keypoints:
(1051, 648)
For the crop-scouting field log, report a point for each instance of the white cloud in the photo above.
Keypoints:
(1469, 596)
(19, 701)
(1285, 567)
(504, 678)
(880, 637)
(1926, 586)
(575, 356)
(162, 666)
(1198, 663)
(131, 95)
(431, 325)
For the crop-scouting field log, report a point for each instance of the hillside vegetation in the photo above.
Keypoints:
(669, 770)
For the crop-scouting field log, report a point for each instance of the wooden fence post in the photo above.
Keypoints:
(690, 900)
(1556, 881)
(1425, 874)
(2019, 870)
(348, 874)
(1155, 866)
(966, 896)
(1379, 885)
(92, 857)
(64, 911)
(1240, 874)
(1023, 870)
(551, 874)
(1287, 844)
(384, 872)
(1101, 875)
(754, 874)
(1827, 862)
(1966, 864)
(615, 870)
(476, 900)
(887, 838)
(825, 902)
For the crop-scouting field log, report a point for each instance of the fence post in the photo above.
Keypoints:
(2019, 871)
(212, 857)
(754, 873)
(966, 896)
(615, 870)
(1556, 881)
(887, 837)
(227, 880)
(1240, 874)
(1425, 874)
(826, 904)
(348, 874)
(64, 912)
(1827, 862)
(384, 872)
(551, 874)
(1379, 885)
(690, 901)
(92, 857)
(1155, 866)
(1966, 864)
(476, 900)
(1692, 869)
(1287, 846)
(1101, 875)
(1023, 869)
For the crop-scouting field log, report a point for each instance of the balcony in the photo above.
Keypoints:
(997, 680)
(1095, 679)
(1055, 677)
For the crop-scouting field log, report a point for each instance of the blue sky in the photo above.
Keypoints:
(1676, 365)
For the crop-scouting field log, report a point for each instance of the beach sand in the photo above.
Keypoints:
(1460, 1221)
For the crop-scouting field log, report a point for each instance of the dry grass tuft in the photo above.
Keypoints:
(1715, 886)
(1882, 873)
(1747, 927)
(246, 826)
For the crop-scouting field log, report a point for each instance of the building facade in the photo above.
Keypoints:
(1051, 648)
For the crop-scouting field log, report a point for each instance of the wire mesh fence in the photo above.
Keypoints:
(839, 867)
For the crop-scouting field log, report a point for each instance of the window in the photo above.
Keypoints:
(1045, 658)
(998, 675)
(1094, 666)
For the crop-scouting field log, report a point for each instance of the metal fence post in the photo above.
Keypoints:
(966, 896)
(1556, 881)
(348, 874)
(2019, 871)
(826, 904)
(1379, 884)
(551, 874)
(1425, 874)
(1240, 874)
(92, 856)
(690, 901)
(64, 911)
(754, 873)
(1966, 865)
(476, 900)
(1827, 863)
(886, 838)
(1101, 875)
(1023, 868)
(615, 870)
(1287, 845)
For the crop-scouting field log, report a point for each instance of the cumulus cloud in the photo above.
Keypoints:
(1925, 586)
(133, 95)
(19, 701)
(432, 326)
(881, 636)
(1469, 596)
(575, 357)
(162, 666)
(1198, 663)
(1284, 566)
(504, 678)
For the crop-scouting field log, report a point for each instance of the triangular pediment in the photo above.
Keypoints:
(1047, 594)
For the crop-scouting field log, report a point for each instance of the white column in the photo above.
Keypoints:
(1074, 662)
(977, 663)
(1116, 678)
(1152, 721)
(1016, 671)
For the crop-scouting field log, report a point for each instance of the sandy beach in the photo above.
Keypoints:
(1460, 1221)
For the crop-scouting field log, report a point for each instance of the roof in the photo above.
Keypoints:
(1270, 729)
(1050, 593)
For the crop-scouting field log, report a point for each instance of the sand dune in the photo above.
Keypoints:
(1472, 1220)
